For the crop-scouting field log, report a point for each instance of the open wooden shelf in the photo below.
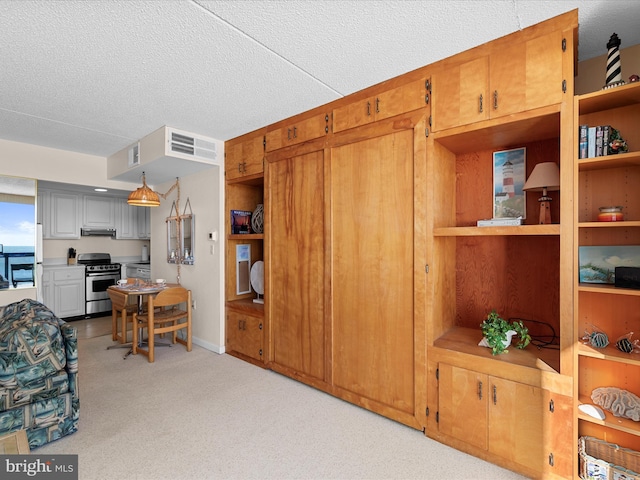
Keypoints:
(247, 305)
(623, 224)
(531, 125)
(496, 231)
(246, 236)
(610, 352)
(629, 159)
(465, 340)
(607, 289)
(611, 421)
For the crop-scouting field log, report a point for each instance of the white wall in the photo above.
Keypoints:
(205, 279)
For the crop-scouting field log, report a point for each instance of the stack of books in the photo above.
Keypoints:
(594, 141)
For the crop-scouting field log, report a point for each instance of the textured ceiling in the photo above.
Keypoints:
(95, 76)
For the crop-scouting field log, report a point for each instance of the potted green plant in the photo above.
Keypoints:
(498, 333)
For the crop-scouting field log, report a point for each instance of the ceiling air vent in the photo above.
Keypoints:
(134, 155)
(197, 147)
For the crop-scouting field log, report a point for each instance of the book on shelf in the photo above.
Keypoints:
(583, 138)
(591, 146)
(500, 222)
(240, 221)
(593, 141)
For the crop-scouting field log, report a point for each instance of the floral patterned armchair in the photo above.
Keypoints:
(38, 373)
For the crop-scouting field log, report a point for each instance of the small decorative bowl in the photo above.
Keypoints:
(160, 281)
(610, 214)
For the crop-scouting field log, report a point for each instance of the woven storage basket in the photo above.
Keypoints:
(600, 460)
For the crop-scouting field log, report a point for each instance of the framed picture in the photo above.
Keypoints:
(509, 175)
(243, 269)
(598, 263)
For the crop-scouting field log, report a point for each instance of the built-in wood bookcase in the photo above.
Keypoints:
(611, 180)
(244, 175)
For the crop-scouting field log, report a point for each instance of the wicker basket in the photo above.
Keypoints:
(606, 461)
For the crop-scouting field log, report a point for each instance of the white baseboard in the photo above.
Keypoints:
(208, 346)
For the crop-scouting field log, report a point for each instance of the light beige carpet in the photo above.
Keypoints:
(201, 415)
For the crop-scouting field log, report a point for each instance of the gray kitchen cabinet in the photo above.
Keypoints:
(126, 220)
(63, 289)
(144, 223)
(63, 214)
(98, 211)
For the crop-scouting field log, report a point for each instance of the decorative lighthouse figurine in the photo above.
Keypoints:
(614, 70)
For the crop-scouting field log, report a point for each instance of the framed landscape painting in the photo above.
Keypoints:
(509, 175)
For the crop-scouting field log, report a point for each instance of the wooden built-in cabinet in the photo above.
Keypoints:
(521, 72)
(500, 416)
(300, 130)
(296, 273)
(376, 275)
(388, 103)
(523, 272)
(245, 157)
(244, 329)
(605, 181)
(245, 322)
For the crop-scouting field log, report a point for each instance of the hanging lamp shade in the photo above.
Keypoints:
(144, 196)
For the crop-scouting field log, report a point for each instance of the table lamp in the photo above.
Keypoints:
(545, 177)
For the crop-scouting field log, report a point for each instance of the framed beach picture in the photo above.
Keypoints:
(598, 263)
(509, 175)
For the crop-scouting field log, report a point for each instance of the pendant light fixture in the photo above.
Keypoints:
(144, 196)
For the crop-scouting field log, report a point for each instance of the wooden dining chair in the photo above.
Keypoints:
(122, 312)
(162, 316)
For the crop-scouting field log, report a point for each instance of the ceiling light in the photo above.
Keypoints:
(100, 190)
(144, 196)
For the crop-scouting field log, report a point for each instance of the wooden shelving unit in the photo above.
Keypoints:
(602, 181)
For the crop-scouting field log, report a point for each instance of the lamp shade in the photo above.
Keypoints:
(144, 196)
(544, 176)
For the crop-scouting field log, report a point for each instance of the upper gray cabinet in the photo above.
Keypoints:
(98, 211)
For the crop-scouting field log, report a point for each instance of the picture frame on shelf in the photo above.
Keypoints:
(597, 264)
(240, 222)
(243, 269)
(509, 176)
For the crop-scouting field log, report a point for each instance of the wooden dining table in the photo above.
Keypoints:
(139, 291)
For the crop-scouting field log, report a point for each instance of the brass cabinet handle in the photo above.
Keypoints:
(368, 109)
(481, 104)
(480, 390)
(495, 100)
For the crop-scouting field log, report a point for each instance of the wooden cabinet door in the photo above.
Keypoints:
(462, 404)
(557, 461)
(403, 99)
(372, 235)
(515, 422)
(526, 75)
(295, 190)
(461, 94)
(244, 157)
(354, 114)
(298, 131)
(390, 103)
(244, 334)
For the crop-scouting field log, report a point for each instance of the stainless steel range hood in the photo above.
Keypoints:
(98, 232)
